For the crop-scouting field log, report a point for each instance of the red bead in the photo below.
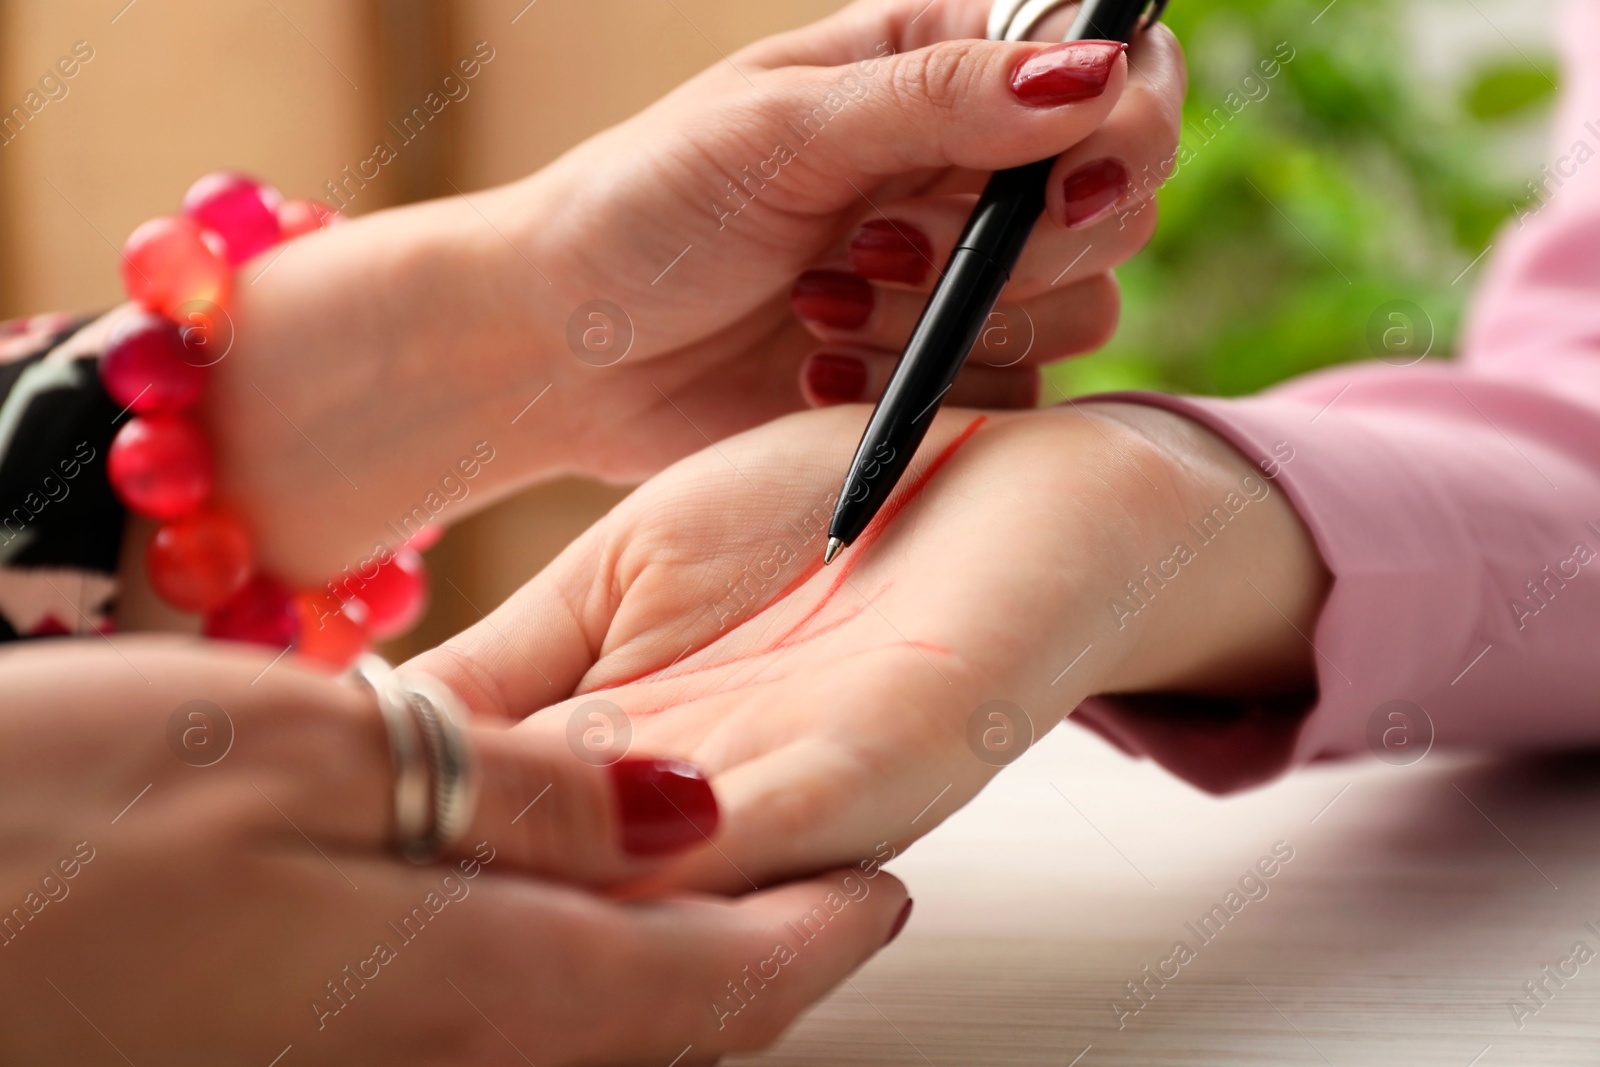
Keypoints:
(332, 632)
(171, 261)
(238, 209)
(144, 368)
(197, 564)
(297, 217)
(262, 613)
(396, 595)
(160, 466)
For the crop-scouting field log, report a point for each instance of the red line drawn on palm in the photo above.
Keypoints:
(819, 620)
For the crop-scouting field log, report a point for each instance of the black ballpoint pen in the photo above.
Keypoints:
(956, 313)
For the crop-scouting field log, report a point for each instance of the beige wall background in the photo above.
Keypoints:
(295, 90)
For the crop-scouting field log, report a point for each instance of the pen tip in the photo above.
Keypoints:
(835, 546)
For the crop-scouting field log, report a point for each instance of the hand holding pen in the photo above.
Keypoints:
(990, 246)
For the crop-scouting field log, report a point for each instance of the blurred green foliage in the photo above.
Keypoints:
(1306, 201)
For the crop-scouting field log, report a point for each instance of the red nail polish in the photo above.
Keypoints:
(900, 921)
(833, 298)
(835, 378)
(891, 252)
(664, 805)
(1066, 73)
(1094, 189)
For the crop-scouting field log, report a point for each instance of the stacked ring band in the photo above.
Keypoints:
(436, 783)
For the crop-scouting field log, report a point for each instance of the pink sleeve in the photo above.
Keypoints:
(1456, 504)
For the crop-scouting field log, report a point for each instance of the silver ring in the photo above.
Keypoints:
(443, 722)
(436, 781)
(411, 815)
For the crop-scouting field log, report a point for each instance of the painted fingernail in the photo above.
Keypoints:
(664, 805)
(900, 921)
(1093, 190)
(891, 252)
(1066, 73)
(836, 378)
(833, 298)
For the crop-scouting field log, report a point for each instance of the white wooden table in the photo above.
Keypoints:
(1418, 902)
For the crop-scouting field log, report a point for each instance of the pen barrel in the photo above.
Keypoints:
(951, 324)
(1010, 206)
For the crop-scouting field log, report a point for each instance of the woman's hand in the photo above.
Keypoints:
(840, 708)
(196, 872)
(850, 154)
(648, 279)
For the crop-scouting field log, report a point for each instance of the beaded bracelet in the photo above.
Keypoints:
(179, 270)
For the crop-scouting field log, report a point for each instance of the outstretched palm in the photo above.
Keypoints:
(831, 706)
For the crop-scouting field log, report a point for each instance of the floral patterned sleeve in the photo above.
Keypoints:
(60, 524)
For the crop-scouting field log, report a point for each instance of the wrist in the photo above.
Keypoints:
(1220, 592)
(370, 362)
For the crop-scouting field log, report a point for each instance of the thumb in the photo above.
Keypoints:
(581, 807)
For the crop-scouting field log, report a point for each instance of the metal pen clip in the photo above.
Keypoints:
(1015, 20)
